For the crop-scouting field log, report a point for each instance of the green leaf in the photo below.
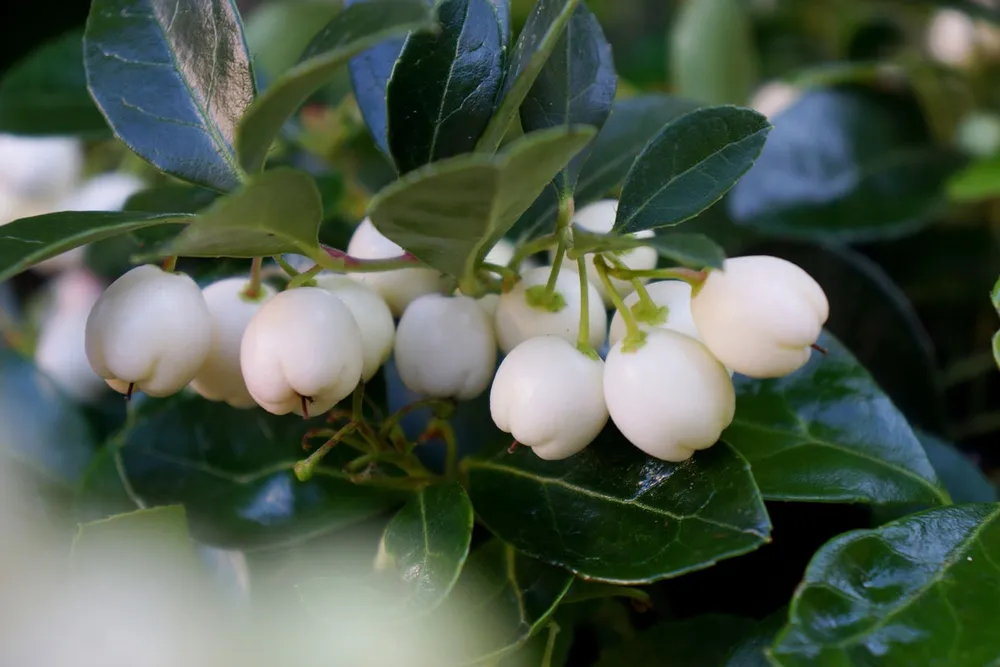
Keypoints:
(632, 124)
(453, 211)
(440, 97)
(960, 475)
(278, 32)
(165, 526)
(918, 591)
(668, 519)
(427, 543)
(173, 78)
(689, 166)
(101, 492)
(575, 87)
(233, 471)
(996, 348)
(171, 198)
(28, 241)
(353, 30)
(694, 250)
(845, 164)
(827, 433)
(536, 42)
(276, 212)
(995, 296)
(46, 92)
(977, 182)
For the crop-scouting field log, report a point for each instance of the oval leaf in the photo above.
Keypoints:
(164, 527)
(689, 166)
(694, 250)
(440, 97)
(277, 212)
(358, 27)
(233, 471)
(977, 182)
(918, 591)
(847, 164)
(613, 514)
(173, 78)
(28, 241)
(450, 212)
(46, 93)
(576, 86)
(827, 433)
(427, 543)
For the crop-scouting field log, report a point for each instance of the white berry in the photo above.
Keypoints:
(302, 352)
(675, 296)
(399, 287)
(220, 377)
(550, 397)
(445, 347)
(599, 218)
(670, 396)
(759, 315)
(40, 168)
(372, 315)
(150, 330)
(517, 319)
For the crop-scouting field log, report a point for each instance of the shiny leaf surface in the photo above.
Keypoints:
(232, 470)
(440, 96)
(827, 433)
(427, 542)
(918, 591)
(689, 166)
(46, 92)
(613, 514)
(173, 78)
(352, 31)
(450, 212)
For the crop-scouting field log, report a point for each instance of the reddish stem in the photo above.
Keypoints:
(818, 348)
(351, 261)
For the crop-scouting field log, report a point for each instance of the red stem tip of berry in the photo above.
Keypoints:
(818, 348)
(513, 447)
(128, 392)
(306, 400)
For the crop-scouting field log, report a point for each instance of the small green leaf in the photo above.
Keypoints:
(919, 591)
(670, 519)
(440, 97)
(28, 241)
(46, 93)
(233, 471)
(427, 543)
(173, 78)
(575, 87)
(827, 433)
(276, 212)
(353, 30)
(689, 166)
(536, 42)
(977, 182)
(453, 211)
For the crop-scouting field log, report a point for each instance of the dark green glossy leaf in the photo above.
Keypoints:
(40, 427)
(962, 478)
(278, 32)
(451, 212)
(847, 164)
(353, 30)
(502, 8)
(440, 97)
(689, 166)
(28, 241)
(979, 181)
(101, 492)
(276, 212)
(918, 591)
(232, 470)
(173, 78)
(535, 43)
(576, 86)
(669, 519)
(694, 250)
(46, 92)
(427, 543)
(632, 124)
(827, 433)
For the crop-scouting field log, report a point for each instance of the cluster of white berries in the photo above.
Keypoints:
(667, 386)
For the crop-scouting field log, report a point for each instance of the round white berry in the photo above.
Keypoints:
(220, 377)
(400, 287)
(445, 347)
(550, 397)
(675, 296)
(61, 349)
(302, 352)
(517, 319)
(151, 330)
(599, 218)
(670, 396)
(372, 315)
(40, 168)
(759, 315)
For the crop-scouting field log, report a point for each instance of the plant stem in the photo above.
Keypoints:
(634, 337)
(443, 408)
(532, 247)
(550, 644)
(339, 261)
(689, 276)
(305, 277)
(304, 469)
(252, 290)
(170, 264)
(509, 275)
(645, 310)
(583, 337)
(443, 427)
(288, 268)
